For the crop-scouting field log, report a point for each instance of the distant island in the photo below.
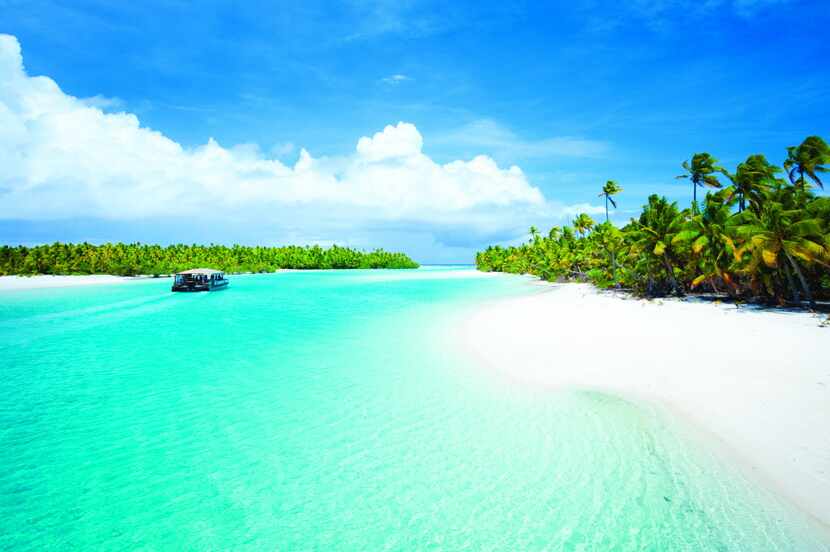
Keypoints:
(134, 259)
(759, 237)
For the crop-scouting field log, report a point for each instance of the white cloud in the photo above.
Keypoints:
(497, 140)
(281, 150)
(103, 103)
(400, 141)
(62, 157)
(395, 79)
(587, 208)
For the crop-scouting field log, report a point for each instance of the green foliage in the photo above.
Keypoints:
(583, 224)
(702, 171)
(807, 159)
(133, 259)
(761, 238)
(610, 189)
(752, 178)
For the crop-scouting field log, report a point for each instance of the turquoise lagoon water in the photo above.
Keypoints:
(327, 411)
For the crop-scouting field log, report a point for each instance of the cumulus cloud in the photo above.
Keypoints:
(104, 103)
(284, 149)
(399, 141)
(63, 157)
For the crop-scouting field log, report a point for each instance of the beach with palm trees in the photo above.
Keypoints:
(752, 383)
(716, 311)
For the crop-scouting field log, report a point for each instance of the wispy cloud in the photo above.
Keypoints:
(396, 79)
(665, 13)
(748, 8)
(495, 139)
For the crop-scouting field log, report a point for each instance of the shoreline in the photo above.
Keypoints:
(48, 281)
(755, 380)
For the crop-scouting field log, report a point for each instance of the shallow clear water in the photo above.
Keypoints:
(327, 411)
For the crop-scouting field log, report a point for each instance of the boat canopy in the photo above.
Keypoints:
(201, 271)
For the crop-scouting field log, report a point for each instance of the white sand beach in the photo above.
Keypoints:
(757, 380)
(48, 281)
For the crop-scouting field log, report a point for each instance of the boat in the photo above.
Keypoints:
(200, 279)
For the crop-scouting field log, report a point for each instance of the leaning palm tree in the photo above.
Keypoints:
(751, 179)
(808, 158)
(702, 172)
(782, 239)
(611, 188)
(583, 224)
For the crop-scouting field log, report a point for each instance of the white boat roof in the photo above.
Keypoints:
(207, 271)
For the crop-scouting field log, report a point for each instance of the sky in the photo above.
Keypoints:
(433, 128)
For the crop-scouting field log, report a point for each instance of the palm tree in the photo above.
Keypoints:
(554, 233)
(711, 245)
(782, 239)
(701, 171)
(651, 238)
(534, 233)
(583, 224)
(810, 158)
(611, 188)
(751, 179)
(611, 239)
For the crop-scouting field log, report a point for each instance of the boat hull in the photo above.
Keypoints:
(193, 287)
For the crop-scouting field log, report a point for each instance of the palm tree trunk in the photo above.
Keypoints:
(670, 271)
(791, 284)
(801, 279)
(606, 208)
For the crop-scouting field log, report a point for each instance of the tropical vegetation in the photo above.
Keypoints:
(762, 233)
(136, 258)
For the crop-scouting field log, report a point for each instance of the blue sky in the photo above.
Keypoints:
(571, 94)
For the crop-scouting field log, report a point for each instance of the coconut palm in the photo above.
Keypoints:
(609, 239)
(611, 188)
(751, 179)
(651, 237)
(808, 158)
(136, 258)
(776, 247)
(702, 171)
(554, 233)
(583, 224)
(782, 239)
(712, 248)
(534, 233)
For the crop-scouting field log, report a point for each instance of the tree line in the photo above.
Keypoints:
(136, 258)
(761, 234)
